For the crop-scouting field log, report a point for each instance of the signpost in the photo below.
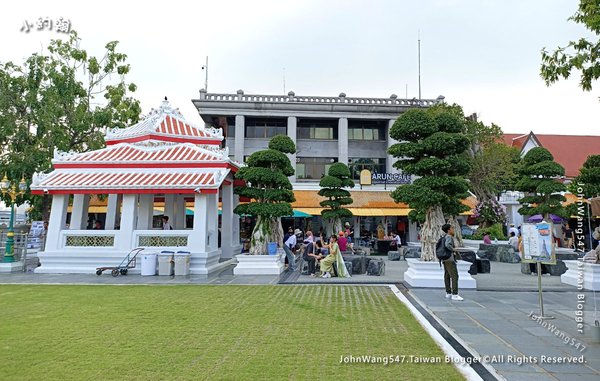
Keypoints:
(538, 248)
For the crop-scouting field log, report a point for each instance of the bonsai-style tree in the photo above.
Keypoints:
(589, 177)
(338, 177)
(432, 146)
(540, 181)
(267, 184)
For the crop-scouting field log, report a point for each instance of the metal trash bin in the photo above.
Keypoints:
(148, 264)
(165, 263)
(182, 263)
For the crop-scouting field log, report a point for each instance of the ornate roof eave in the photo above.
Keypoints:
(171, 180)
(217, 154)
(164, 122)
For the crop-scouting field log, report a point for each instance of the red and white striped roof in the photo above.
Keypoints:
(129, 180)
(161, 154)
(164, 124)
(122, 154)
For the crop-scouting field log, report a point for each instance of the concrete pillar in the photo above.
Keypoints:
(390, 142)
(412, 232)
(112, 211)
(79, 213)
(57, 221)
(239, 138)
(213, 221)
(146, 212)
(227, 221)
(292, 123)
(235, 235)
(179, 213)
(129, 216)
(169, 209)
(197, 241)
(343, 141)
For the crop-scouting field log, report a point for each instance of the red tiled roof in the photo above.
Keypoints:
(125, 152)
(570, 151)
(129, 180)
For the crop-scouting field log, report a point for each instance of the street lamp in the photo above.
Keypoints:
(13, 190)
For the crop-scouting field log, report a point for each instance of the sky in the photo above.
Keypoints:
(481, 54)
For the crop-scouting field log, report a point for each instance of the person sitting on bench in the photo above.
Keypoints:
(311, 257)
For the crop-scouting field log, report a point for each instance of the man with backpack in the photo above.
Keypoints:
(446, 253)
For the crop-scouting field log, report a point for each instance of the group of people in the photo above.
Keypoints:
(316, 250)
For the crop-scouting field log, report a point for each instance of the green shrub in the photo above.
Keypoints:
(495, 231)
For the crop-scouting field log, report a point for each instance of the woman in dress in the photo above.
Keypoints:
(334, 256)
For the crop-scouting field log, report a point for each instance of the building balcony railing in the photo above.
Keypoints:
(393, 100)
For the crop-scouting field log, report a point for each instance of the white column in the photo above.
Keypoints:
(227, 221)
(342, 141)
(197, 240)
(128, 222)
(390, 142)
(239, 138)
(170, 208)
(356, 225)
(291, 132)
(213, 220)
(235, 235)
(79, 213)
(179, 212)
(112, 210)
(146, 211)
(57, 221)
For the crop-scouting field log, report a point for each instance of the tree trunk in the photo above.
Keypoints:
(277, 232)
(265, 231)
(334, 226)
(458, 240)
(431, 232)
(260, 237)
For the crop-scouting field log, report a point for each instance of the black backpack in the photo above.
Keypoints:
(441, 252)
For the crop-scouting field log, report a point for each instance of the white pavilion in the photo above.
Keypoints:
(162, 157)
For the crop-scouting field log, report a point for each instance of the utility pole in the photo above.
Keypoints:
(205, 68)
(419, 64)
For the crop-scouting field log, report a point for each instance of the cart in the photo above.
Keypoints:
(127, 263)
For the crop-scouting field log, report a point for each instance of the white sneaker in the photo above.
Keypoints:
(326, 275)
(457, 297)
(448, 296)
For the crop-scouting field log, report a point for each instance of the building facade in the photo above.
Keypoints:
(326, 130)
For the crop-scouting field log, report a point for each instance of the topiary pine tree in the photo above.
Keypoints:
(540, 181)
(432, 146)
(338, 177)
(589, 178)
(267, 184)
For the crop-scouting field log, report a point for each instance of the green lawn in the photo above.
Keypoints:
(209, 333)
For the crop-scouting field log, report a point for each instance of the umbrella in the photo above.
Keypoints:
(299, 214)
(538, 218)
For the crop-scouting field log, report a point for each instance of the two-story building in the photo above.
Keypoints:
(326, 130)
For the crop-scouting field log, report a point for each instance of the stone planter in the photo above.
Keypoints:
(259, 264)
(583, 274)
(431, 275)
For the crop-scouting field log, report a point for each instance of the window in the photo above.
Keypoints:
(358, 164)
(265, 128)
(366, 129)
(323, 129)
(313, 168)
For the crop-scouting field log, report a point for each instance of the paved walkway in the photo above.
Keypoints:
(498, 323)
